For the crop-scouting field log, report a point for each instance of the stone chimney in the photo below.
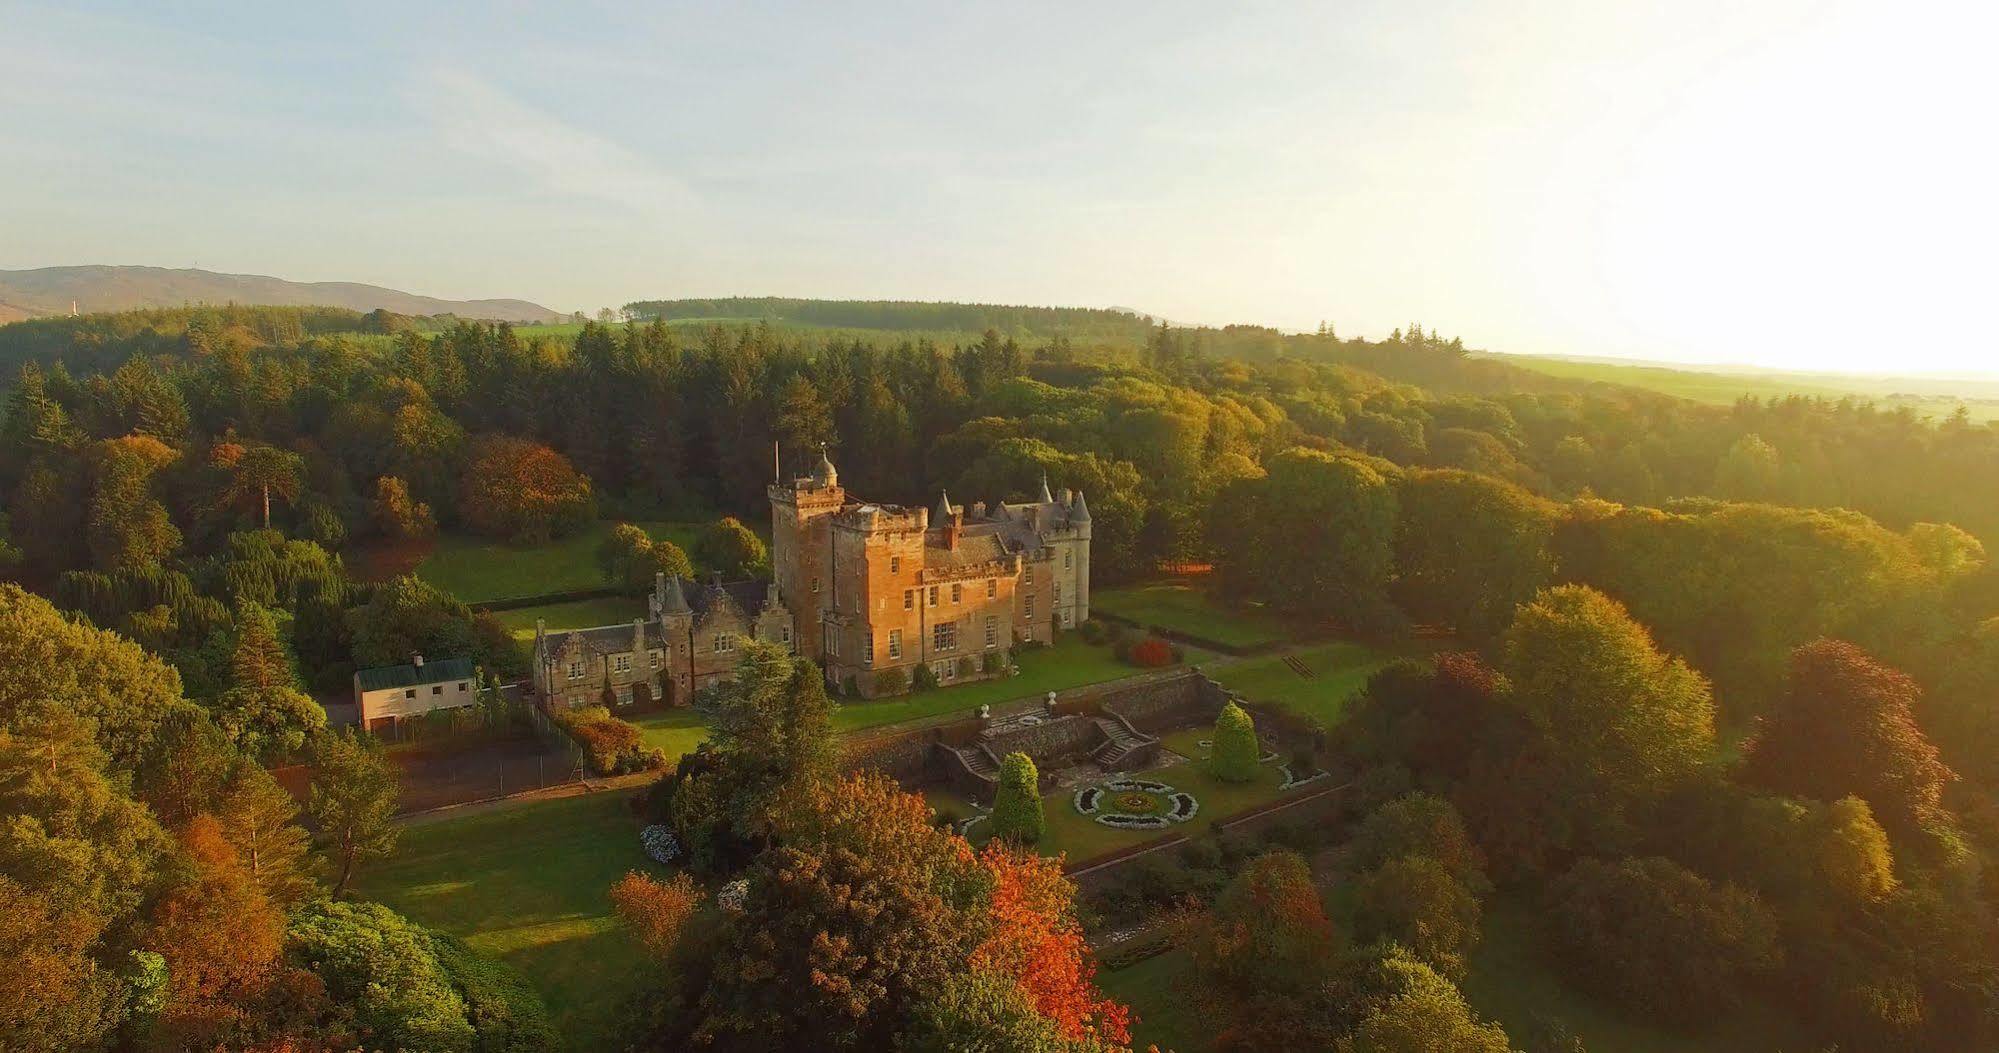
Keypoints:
(978, 510)
(417, 661)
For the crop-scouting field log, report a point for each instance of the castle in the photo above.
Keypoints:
(874, 592)
(877, 591)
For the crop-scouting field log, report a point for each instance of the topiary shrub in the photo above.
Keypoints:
(891, 682)
(1236, 748)
(925, 679)
(1017, 806)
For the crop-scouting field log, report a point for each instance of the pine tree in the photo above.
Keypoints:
(1017, 805)
(260, 661)
(354, 802)
(1236, 750)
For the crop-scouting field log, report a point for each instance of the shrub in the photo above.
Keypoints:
(1658, 938)
(661, 844)
(502, 1006)
(850, 687)
(1418, 824)
(891, 682)
(965, 666)
(1017, 806)
(1092, 632)
(992, 662)
(613, 746)
(1236, 748)
(1150, 653)
(1416, 901)
(925, 679)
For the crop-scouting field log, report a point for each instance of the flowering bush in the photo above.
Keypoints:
(660, 843)
(732, 896)
(614, 746)
(1150, 653)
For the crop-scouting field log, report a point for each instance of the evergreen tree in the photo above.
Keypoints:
(354, 790)
(1236, 750)
(1017, 814)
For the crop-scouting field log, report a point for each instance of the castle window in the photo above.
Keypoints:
(894, 644)
(815, 584)
(868, 656)
(992, 631)
(957, 593)
(944, 636)
(1055, 587)
(1067, 617)
(576, 670)
(724, 643)
(933, 595)
(833, 644)
(622, 663)
(1027, 573)
(654, 655)
(992, 587)
(909, 599)
(1068, 560)
(895, 564)
(1030, 605)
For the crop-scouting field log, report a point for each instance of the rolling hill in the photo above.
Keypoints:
(51, 290)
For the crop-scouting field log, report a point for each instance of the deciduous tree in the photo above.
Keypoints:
(354, 792)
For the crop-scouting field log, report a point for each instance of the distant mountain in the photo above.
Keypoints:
(50, 290)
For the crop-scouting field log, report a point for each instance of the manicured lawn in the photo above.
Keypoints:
(1164, 1015)
(1070, 663)
(1187, 608)
(677, 731)
(528, 885)
(1511, 982)
(478, 570)
(1079, 837)
(576, 614)
(1342, 668)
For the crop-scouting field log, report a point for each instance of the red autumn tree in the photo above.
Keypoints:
(1036, 939)
(655, 911)
(523, 491)
(1847, 727)
(220, 936)
(1262, 957)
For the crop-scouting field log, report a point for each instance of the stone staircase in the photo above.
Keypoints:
(1120, 743)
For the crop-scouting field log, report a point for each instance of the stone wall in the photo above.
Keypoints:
(1167, 704)
(1056, 740)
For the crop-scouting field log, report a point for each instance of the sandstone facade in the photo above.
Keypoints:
(690, 640)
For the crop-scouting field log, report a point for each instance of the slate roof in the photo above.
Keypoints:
(977, 544)
(407, 675)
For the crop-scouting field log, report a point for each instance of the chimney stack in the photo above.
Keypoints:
(417, 661)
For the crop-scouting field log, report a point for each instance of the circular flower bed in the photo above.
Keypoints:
(1136, 804)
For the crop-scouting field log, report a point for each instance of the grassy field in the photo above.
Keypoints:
(1723, 388)
(677, 731)
(1186, 608)
(528, 885)
(1342, 668)
(478, 570)
(1165, 1017)
(576, 614)
(1070, 663)
(1511, 983)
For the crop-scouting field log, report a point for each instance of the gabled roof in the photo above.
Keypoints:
(407, 675)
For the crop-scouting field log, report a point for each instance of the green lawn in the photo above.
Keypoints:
(576, 614)
(1187, 608)
(529, 885)
(1511, 983)
(1080, 837)
(677, 731)
(1342, 668)
(1164, 1016)
(479, 570)
(1070, 663)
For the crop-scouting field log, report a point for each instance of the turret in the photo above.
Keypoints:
(825, 475)
(1046, 498)
(1078, 511)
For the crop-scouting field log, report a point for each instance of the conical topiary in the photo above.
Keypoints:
(1017, 806)
(1236, 750)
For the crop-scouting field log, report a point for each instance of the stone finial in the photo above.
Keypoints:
(1046, 497)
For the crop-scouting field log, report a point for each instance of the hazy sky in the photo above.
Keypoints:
(1789, 183)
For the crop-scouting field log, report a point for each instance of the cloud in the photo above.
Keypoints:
(478, 118)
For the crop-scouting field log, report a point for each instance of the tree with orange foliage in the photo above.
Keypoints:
(1036, 939)
(220, 936)
(523, 491)
(1262, 957)
(654, 911)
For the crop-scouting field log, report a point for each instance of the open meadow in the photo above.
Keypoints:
(528, 884)
(481, 570)
(1186, 608)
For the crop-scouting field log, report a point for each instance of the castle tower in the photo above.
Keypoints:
(800, 511)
